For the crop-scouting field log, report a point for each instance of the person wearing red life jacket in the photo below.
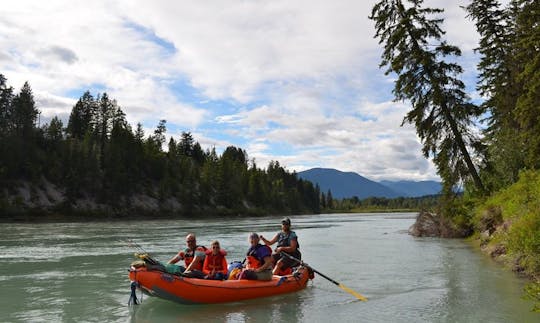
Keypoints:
(287, 241)
(193, 256)
(259, 260)
(215, 264)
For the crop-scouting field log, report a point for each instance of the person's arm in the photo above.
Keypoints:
(267, 264)
(206, 266)
(195, 260)
(224, 265)
(289, 249)
(269, 242)
(199, 257)
(179, 256)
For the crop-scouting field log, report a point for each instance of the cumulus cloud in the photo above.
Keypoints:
(294, 81)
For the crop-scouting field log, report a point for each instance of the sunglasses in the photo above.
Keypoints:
(188, 241)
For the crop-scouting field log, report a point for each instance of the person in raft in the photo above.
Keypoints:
(193, 256)
(215, 264)
(259, 260)
(287, 241)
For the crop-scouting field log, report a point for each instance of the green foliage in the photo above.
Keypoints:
(427, 76)
(99, 158)
(532, 291)
(510, 80)
(517, 199)
(6, 100)
(380, 204)
(524, 241)
(520, 206)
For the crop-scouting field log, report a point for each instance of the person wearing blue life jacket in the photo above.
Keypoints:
(287, 241)
(259, 260)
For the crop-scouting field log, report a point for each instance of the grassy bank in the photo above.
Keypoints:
(507, 225)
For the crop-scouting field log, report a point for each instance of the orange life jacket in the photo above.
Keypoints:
(189, 255)
(215, 263)
(252, 261)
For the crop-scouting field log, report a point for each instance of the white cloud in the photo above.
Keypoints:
(295, 80)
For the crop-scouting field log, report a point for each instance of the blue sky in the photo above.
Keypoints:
(292, 81)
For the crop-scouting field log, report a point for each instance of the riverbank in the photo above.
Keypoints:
(24, 201)
(505, 226)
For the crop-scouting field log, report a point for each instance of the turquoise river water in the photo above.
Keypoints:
(77, 272)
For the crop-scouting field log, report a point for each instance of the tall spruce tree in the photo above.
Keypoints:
(509, 80)
(24, 112)
(6, 101)
(527, 54)
(441, 111)
(83, 117)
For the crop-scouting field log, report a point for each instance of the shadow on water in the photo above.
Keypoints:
(282, 308)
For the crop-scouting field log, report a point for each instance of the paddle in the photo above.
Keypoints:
(345, 288)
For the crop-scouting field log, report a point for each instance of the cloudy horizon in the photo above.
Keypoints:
(292, 81)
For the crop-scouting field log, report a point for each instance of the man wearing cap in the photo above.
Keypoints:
(287, 242)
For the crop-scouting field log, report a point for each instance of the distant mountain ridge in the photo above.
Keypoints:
(350, 184)
(414, 189)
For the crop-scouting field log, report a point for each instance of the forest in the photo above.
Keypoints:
(99, 157)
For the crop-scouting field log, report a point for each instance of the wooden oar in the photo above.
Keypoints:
(345, 288)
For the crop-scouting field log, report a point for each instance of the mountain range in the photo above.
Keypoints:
(350, 184)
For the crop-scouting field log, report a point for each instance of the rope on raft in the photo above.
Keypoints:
(133, 297)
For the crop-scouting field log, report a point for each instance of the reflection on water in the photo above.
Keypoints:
(78, 272)
(284, 308)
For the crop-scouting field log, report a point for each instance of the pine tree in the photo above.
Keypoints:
(24, 112)
(6, 101)
(83, 117)
(185, 145)
(527, 54)
(329, 200)
(440, 111)
(54, 130)
(509, 78)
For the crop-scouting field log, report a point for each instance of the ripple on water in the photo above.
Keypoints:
(77, 272)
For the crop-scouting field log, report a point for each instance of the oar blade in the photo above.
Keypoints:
(352, 292)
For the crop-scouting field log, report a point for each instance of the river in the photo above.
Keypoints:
(75, 272)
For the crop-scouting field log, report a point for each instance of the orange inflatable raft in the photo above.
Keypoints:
(201, 291)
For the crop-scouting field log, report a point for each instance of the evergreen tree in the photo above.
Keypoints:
(139, 133)
(83, 117)
(509, 70)
(99, 158)
(54, 130)
(158, 138)
(440, 111)
(185, 145)
(198, 154)
(527, 54)
(6, 101)
(329, 200)
(54, 150)
(24, 112)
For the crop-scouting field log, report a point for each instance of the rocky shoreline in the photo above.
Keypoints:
(432, 225)
(46, 202)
